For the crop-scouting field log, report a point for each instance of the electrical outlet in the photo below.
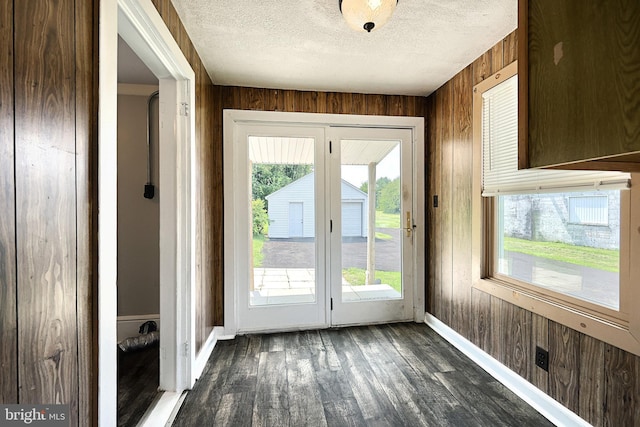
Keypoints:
(542, 359)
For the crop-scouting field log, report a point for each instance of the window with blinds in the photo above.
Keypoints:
(500, 174)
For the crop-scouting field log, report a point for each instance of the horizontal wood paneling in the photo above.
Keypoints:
(600, 385)
(8, 325)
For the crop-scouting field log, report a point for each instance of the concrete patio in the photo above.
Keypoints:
(274, 286)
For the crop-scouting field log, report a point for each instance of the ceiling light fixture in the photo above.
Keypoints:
(367, 14)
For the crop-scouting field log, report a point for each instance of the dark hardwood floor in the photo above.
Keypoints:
(385, 375)
(138, 378)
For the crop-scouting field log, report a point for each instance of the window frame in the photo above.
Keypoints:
(620, 328)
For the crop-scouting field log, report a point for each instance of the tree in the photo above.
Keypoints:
(267, 179)
(381, 183)
(260, 218)
(389, 200)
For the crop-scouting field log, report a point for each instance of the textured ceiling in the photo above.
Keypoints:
(307, 45)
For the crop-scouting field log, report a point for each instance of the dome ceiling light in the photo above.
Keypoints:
(366, 15)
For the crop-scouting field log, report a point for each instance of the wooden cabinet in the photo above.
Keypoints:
(580, 83)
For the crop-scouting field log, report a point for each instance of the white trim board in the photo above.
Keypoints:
(548, 407)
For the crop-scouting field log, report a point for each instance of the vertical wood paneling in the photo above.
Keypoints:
(497, 56)
(516, 339)
(591, 403)
(510, 49)
(578, 369)
(289, 100)
(359, 104)
(321, 103)
(274, 100)
(376, 104)
(432, 152)
(8, 326)
(621, 390)
(446, 203)
(395, 105)
(217, 189)
(539, 338)
(439, 307)
(482, 321)
(46, 203)
(497, 325)
(86, 212)
(461, 199)
(564, 366)
(482, 67)
(333, 103)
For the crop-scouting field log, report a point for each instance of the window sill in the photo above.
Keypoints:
(614, 333)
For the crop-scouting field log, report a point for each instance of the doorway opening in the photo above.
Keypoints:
(140, 26)
(139, 323)
(327, 223)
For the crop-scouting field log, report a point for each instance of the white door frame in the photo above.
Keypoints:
(231, 121)
(140, 25)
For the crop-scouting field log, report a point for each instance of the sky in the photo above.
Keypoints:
(389, 167)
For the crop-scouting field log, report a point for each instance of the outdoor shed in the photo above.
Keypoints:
(291, 209)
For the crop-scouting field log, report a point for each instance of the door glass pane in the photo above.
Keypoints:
(283, 221)
(371, 220)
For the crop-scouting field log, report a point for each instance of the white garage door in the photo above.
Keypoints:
(352, 218)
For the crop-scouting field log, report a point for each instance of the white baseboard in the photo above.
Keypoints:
(128, 326)
(163, 410)
(548, 407)
(205, 352)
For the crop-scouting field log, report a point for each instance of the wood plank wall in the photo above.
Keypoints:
(48, 189)
(47, 153)
(599, 382)
(243, 98)
(208, 254)
(8, 289)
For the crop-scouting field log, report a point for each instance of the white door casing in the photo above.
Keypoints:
(237, 236)
(140, 25)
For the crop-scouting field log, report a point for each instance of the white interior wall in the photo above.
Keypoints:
(138, 217)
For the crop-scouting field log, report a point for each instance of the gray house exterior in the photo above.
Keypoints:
(291, 210)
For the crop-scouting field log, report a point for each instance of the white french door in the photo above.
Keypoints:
(319, 226)
(371, 274)
(280, 268)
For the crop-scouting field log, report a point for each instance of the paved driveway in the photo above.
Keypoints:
(300, 253)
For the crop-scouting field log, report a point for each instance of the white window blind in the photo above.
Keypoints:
(500, 174)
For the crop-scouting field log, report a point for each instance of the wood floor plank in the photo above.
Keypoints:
(370, 395)
(305, 403)
(396, 386)
(271, 402)
(383, 375)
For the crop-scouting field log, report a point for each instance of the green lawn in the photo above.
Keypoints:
(383, 236)
(601, 259)
(258, 243)
(356, 277)
(385, 220)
